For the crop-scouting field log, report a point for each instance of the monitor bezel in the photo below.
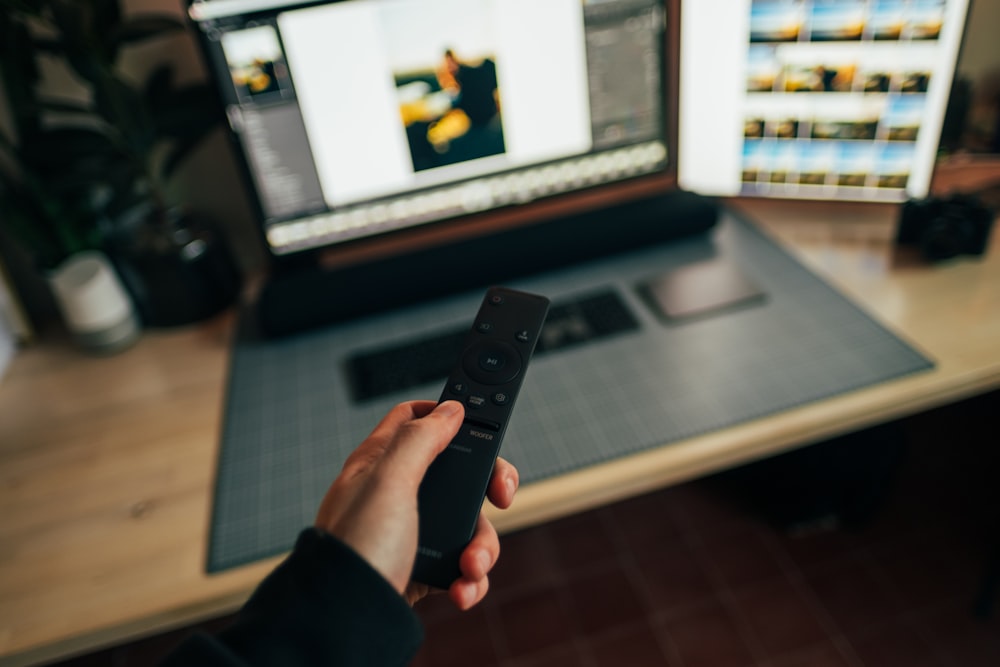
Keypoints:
(474, 225)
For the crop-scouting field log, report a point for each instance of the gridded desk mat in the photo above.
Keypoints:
(292, 417)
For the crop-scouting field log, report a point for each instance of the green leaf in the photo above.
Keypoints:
(50, 227)
(19, 72)
(53, 47)
(122, 107)
(64, 106)
(157, 89)
(88, 65)
(68, 163)
(29, 7)
(107, 14)
(52, 147)
(84, 44)
(19, 217)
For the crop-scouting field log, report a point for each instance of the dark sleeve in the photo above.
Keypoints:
(324, 605)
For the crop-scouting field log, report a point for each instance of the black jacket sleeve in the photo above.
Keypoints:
(324, 605)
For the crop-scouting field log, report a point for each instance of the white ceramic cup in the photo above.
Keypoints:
(94, 305)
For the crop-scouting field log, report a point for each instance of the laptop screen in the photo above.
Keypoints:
(365, 117)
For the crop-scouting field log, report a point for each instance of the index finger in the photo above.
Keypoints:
(417, 442)
(399, 415)
(374, 448)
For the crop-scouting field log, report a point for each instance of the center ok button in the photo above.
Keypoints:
(492, 362)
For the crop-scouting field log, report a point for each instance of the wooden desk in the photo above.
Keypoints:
(106, 465)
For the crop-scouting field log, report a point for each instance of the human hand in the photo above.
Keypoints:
(372, 505)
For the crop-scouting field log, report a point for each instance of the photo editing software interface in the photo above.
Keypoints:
(362, 117)
(816, 99)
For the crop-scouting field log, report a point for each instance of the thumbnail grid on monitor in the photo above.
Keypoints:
(366, 116)
(854, 79)
(824, 99)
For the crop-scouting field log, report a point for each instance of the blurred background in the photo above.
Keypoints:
(972, 127)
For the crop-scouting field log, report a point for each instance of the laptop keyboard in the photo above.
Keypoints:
(388, 370)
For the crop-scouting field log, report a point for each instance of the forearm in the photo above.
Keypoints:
(322, 605)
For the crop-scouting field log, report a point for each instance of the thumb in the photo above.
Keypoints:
(419, 441)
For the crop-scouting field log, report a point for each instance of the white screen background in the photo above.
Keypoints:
(344, 82)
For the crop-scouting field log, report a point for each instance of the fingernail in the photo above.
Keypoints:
(484, 561)
(468, 598)
(511, 487)
(448, 408)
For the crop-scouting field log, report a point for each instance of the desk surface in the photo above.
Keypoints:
(107, 464)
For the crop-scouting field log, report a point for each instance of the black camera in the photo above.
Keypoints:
(945, 227)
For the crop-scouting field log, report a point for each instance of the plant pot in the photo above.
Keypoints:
(179, 272)
(95, 306)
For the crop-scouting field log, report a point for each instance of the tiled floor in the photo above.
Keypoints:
(694, 577)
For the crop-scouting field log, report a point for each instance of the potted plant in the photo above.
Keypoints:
(91, 174)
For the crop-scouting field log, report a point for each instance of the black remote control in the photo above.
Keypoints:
(486, 379)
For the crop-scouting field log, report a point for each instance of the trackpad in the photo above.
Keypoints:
(700, 290)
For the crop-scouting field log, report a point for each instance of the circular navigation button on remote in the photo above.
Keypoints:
(492, 362)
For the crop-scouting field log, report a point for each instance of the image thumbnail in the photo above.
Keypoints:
(915, 81)
(783, 129)
(784, 163)
(757, 128)
(893, 165)
(819, 78)
(924, 19)
(817, 162)
(842, 20)
(854, 163)
(256, 63)
(762, 69)
(854, 130)
(901, 119)
(887, 19)
(876, 80)
(753, 128)
(756, 158)
(776, 21)
(445, 71)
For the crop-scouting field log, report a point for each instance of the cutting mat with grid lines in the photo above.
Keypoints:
(290, 420)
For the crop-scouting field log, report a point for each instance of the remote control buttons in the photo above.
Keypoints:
(492, 362)
(482, 423)
(484, 327)
(522, 336)
(459, 388)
